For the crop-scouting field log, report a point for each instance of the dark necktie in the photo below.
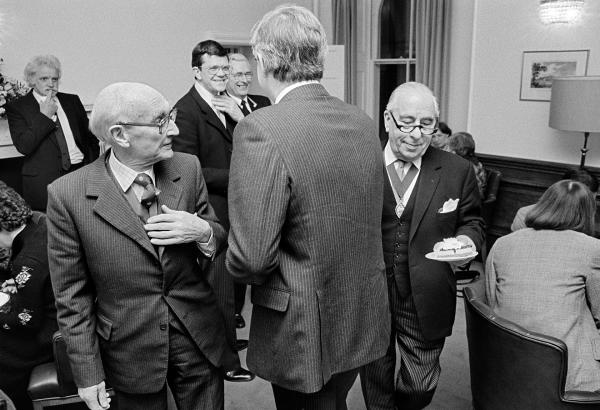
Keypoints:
(245, 109)
(149, 194)
(65, 159)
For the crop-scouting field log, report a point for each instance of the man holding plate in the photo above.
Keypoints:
(429, 195)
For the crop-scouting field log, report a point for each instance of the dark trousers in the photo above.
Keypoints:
(419, 370)
(331, 397)
(240, 297)
(195, 383)
(222, 284)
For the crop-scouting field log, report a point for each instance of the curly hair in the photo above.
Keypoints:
(14, 211)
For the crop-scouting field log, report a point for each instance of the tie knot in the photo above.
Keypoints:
(149, 194)
(143, 180)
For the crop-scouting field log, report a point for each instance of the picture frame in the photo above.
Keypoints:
(539, 67)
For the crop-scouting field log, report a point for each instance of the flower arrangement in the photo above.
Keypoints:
(10, 89)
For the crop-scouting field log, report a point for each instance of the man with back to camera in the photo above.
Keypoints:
(429, 195)
(50, 129)
(125, 236)
(240, 78)
(206, 118)
(305, 200)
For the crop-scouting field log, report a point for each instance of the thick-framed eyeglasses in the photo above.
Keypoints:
(425, 129)
(214, 70)
(162, 124)
(242, 76)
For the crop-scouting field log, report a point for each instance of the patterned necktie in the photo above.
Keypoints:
(149, 194)
(245, 109)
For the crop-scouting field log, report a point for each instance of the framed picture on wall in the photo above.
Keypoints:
(539, 67)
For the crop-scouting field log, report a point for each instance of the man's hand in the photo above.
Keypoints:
(48, 106)
(467, 241)
(95, 397)
(175, 227)
(226, 104)
(9, 286)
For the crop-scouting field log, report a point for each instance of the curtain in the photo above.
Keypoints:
(344, 32)
(432, 20)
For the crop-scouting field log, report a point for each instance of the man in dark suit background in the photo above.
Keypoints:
(126, 234)
(240, 78)
(206, 121)
(429, 195)
(50, 129)
(305, 200)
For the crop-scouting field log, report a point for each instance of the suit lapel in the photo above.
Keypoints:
(71, 114)
(34, 108)
(429, 177)
(112, 206)
(167, 178)
(210, 117)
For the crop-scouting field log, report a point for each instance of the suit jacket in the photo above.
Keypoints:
(443, 176)
(258, 101)
(305, 198)
(113, 291)
(34, 136)
(202, 133)
(549, 282)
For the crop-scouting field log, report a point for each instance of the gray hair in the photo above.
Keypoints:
(38, 62)
(237, 57)
(291, 44)
(415, 87)
(119, 102)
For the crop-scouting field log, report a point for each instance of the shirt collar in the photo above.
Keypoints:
(204, 93)
(289, 88)
(389, 157)
(237, 100)
(125, 175)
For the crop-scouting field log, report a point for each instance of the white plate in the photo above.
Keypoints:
(433, 256)
(4, 298)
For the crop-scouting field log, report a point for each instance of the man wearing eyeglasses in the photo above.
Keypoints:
(429, 195)
(125, 236)
(206, 119)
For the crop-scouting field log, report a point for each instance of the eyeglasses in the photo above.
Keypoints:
(215, 69)
(162, 124)
(242, 76)
(425, 129)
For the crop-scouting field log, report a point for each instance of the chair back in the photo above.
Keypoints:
(491, 194)
(511, 367)
(63, 366)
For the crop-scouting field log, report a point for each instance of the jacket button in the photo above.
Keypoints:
(163, 327)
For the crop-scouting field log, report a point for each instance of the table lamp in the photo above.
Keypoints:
(575, 106)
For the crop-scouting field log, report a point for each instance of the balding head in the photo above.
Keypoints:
(411, 91)
(123, 102)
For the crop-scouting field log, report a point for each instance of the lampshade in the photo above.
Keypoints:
(560, 11)
(575, 104)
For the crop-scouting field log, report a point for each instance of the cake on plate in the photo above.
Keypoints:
(452, 247)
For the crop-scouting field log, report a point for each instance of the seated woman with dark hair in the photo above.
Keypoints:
(463, 144)
(546, 277)
(27, 312)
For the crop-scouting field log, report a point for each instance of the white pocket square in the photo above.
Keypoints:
(449, 206)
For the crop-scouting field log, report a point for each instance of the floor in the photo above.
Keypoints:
(453, 391)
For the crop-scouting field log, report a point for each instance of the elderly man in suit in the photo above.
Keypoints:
(206, 119)
(305, 198)
(240, 78)
(429, 195)
(128, 235)
(50, 129)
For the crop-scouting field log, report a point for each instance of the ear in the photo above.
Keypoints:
(119, 136)
(197, 73)
(386, 120)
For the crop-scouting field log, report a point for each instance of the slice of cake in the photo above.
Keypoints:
(451, 247)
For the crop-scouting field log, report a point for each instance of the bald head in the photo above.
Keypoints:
(124, 102)
(412, 91)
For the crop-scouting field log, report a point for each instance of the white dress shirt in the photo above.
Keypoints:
(207, 97)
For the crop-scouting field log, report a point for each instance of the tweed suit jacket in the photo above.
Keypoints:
(113, 290)
(202, 133)
(549, 282)
(305, 198)
(443, 176)
(34, 136)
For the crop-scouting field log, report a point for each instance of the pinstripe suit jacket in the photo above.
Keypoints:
(305, 200)
(113, 291)
(549, 282)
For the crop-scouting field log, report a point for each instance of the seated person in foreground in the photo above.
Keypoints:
(575, 174)
(546, 278)
(27, 312)
(463, 144)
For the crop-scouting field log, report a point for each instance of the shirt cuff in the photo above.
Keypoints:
(208, 248)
